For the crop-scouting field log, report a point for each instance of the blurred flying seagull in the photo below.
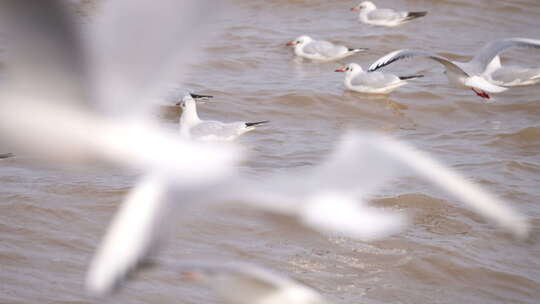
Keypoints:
(327, 198)
(469, 74)
(192, 127)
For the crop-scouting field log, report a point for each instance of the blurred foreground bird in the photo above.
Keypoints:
(329, 198)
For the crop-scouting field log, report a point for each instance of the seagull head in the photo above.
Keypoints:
(197, 98)
(364, 5)
(302, 40)
(186, 101)
(350, 69)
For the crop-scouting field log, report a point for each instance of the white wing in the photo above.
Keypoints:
(324, 48)
(375, 79)
(492, 49)
(134, 232)
(362, 162)
(403, 54)
(386, 15)
(135, 45)
(471, 194)
(216, 129)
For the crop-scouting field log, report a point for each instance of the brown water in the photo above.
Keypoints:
(51, 220)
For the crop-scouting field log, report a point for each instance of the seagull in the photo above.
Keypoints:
(465, 74)
(370, 14)
(511, 76)
(321, 50)
(242, 283)
(372, 82)
(328, 198)
(192, 127)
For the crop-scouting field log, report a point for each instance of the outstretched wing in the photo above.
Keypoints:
(405, 53)
(492, 49)
(360, 163)
(134, 233)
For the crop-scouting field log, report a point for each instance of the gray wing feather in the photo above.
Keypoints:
(374, 79)
(403, 54)
(385, 14)
(492, 49)
(216, 128)
(324, 48)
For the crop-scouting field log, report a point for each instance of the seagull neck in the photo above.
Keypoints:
(349, 76)
(299, 49)
(189, 114)
(364, 13)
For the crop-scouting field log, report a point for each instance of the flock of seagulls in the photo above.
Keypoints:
(483, 73)
(74, 104)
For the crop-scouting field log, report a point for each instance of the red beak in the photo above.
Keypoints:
(340, 70)
(290, 44)
(355, 9)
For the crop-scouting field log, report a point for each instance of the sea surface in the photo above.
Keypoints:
(51, 219)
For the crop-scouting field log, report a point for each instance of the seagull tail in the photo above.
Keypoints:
(410, 77)
(6, 155)
(252, 124)
(414, 15)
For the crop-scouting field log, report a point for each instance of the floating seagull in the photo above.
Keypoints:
(326, 198)
(372, 82)
(321, 50)
(192, 127)
(511, 76)
(370, 14)
(242, 283)
(465, 74)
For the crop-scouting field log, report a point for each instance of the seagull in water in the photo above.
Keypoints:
(370, 14)
(242, 283)
(469, 74)
(372, 82)
(320, 50)
(192, 127)
(511, 76)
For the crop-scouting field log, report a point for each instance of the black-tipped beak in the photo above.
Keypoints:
(201, 97)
